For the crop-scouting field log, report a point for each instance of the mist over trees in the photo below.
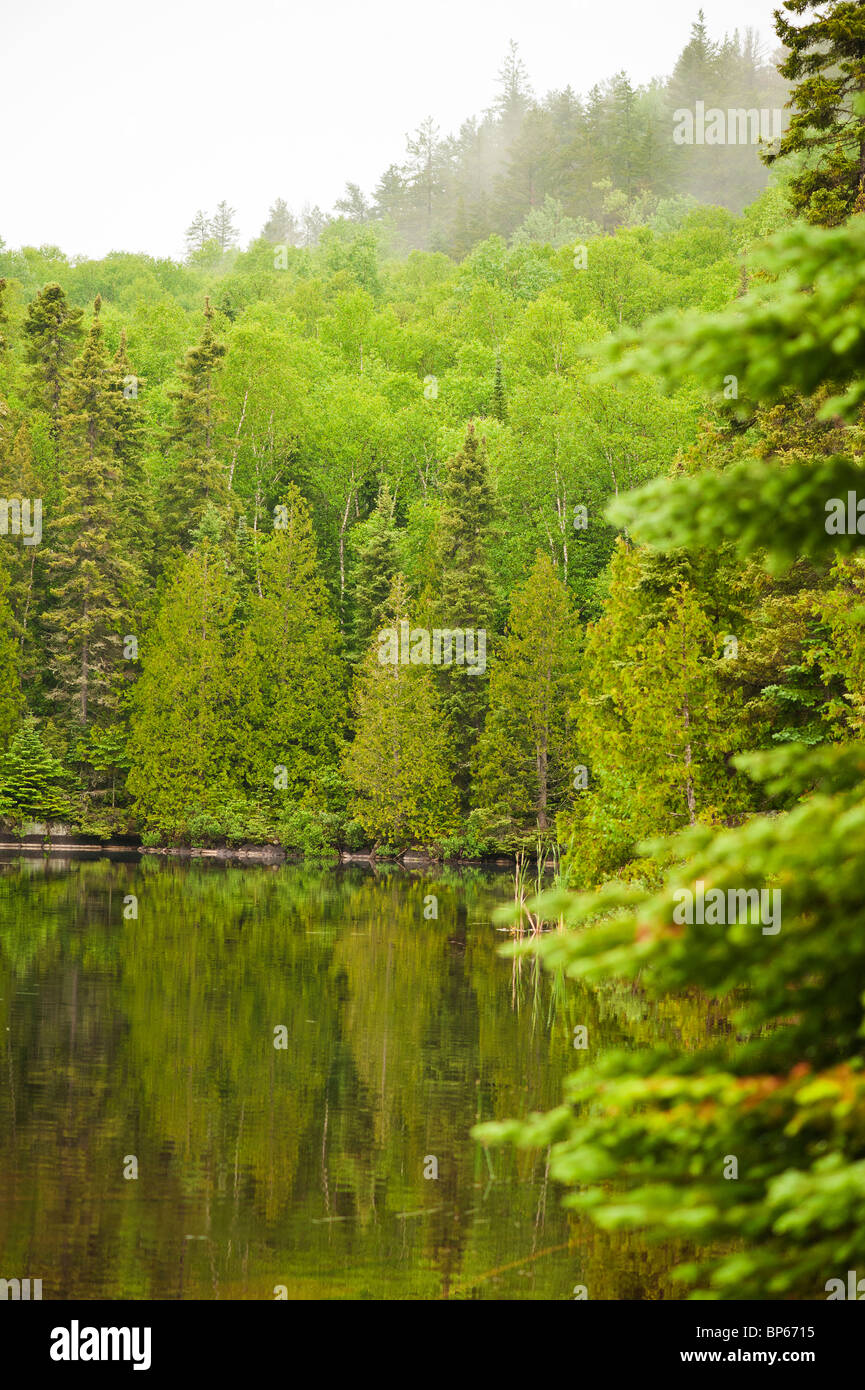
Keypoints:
(556, 167)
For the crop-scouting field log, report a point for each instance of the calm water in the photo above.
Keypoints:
(151, 1041)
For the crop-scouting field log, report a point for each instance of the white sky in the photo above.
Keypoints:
(120, 119)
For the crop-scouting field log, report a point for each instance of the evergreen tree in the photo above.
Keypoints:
(52, 329)
(424, 175)
(500, 409)
(10, 682)
(197, 474)
(465, 595)
(289, 668)
(626, 135)
(222, 226)
(33, 784)
(353, 204)
(656, 724)
(721, 76)
(135, 516)
(4, 317)
(312, 222)
(281, 225)
(526, 752)
(105, 752)
(400, 763)
(181, 732)
(92, 580)
(514, 95)
(842, 609)
(198, 233)
(25, 592)
(825, 61)
(694, 76)
(373, 571)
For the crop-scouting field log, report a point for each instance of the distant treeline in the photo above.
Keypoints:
(552, 168)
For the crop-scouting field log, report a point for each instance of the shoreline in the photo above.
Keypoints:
(254, 854)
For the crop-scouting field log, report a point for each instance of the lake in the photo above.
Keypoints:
(263, 1084)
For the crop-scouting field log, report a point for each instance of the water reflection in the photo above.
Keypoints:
(298, 1167)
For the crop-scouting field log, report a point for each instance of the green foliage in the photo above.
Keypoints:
(825, 61)
(465, 598)
(813, 304)
(431, 413)
(52, 329)
(10, 678)
(373, 571)
(197, 476)
(288, 668)
(92, 579)
(314, 834)
(526, 750)
(812, 308)
(842, 608)
(184, 704)
(234, 822)
(401, 762)
(656, 723)
(34, 785)
(647, 1137)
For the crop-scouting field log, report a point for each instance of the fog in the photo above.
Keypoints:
(171, 107)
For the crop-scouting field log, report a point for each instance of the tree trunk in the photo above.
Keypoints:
(686, 719)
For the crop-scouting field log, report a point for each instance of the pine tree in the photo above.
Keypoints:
(699, 170)
(514, 92)
(4, 317)
(353, 204)
(184, 703)
(465, 595)
(841, 608)
(33, 784)
(500, 408)
(373, 571)
(10, 681)
(222, 227)
(289, 670)
(527, 749)
(18, 481)
(52, 331)
(424, 173)
(626, 132)
(400, 764)
(825, 62)
(656, 725)
(91, 577)
(135, 512)
(313, 222)
(696, 67)
(198, 233)
(281, 225)
(197, 475)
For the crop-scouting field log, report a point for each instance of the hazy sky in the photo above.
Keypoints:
(121, 119)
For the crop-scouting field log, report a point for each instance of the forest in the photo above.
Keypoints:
(510, 513)
(248, 466)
